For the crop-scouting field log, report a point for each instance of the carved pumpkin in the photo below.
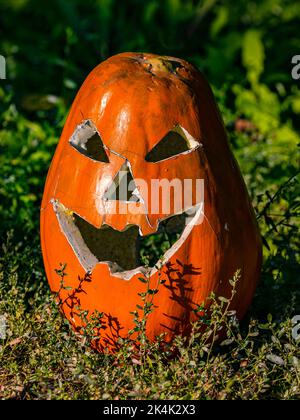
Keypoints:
(150, 118)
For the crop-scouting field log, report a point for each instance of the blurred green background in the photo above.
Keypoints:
(244, 48)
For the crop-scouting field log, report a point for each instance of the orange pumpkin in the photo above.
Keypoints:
(151, 118)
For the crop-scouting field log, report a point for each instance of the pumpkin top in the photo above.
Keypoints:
(135, 99)
(156, 65)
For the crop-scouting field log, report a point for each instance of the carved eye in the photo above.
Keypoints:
(87, 141)
(175, 142)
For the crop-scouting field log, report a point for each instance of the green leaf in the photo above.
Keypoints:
(253, 55)
(220, 21)
(277, 360)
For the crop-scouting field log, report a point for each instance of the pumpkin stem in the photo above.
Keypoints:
(159, 65)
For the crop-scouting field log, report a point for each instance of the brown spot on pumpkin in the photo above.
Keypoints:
(175, 65)
(183, 72)
(140, 56)
(124, 74)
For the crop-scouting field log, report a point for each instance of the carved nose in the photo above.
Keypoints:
(123, 187)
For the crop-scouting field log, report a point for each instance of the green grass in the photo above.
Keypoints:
(42, 357)
(244, 51)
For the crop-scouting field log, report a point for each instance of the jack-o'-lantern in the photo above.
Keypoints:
(139, 122)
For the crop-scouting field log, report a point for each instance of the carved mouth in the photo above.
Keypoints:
(126, 252)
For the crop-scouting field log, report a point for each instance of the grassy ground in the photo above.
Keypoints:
(40, 357)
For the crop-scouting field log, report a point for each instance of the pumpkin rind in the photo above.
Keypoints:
(134, 100)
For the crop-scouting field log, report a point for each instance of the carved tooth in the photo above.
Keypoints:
(88, 260)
